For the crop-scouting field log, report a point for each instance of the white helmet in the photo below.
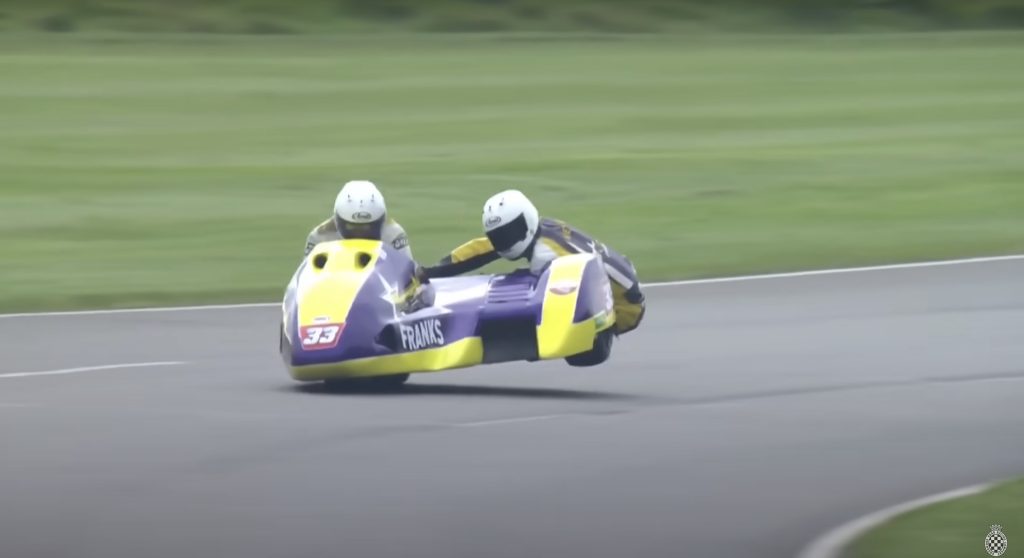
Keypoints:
(359, 210)
(511, 222)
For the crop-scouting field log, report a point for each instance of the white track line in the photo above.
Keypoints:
(833, 543)
(680, 283)
(837, 271)
(141, 310)
(64, 371)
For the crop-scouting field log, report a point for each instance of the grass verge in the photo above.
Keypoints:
(189, 169)
(951, 529)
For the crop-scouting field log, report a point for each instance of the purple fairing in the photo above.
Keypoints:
(595, 292)
(462, 306)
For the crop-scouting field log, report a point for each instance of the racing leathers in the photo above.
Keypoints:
(554, 239)
(392, 234)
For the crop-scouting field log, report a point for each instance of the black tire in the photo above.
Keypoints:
(392, 381)
(600, 353)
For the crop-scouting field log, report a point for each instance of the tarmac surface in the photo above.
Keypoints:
(742, 420)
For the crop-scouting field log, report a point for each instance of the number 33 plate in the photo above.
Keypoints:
(320, 336)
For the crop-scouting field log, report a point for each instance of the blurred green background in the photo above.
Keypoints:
(156, 155)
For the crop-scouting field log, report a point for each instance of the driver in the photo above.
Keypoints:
(359, 212)
(514, 230)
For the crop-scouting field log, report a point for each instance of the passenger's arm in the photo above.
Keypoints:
(470, 256)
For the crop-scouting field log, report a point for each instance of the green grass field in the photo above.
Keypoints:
(953, 529)
(190, 168)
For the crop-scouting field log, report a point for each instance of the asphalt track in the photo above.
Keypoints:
(743, 420)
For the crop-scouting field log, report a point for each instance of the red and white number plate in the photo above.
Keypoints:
(320, 336)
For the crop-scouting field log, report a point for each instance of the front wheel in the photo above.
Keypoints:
(599, 353)
(392, 381)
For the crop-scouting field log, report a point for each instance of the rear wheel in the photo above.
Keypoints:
(392, 381)
(600, 353)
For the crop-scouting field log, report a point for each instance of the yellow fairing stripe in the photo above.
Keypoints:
(557, 336)
(320, 298)
(460, 354)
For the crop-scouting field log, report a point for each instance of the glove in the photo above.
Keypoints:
(421, 275)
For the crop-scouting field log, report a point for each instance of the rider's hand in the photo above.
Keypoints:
(421, 275)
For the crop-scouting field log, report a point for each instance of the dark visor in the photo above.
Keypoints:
(507, 235)
(366, 231)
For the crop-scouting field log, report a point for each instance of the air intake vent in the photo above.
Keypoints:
(319, 261)
(501, 292)
(509, 339)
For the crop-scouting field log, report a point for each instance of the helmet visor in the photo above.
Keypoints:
(365, 231)
(506, 236)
